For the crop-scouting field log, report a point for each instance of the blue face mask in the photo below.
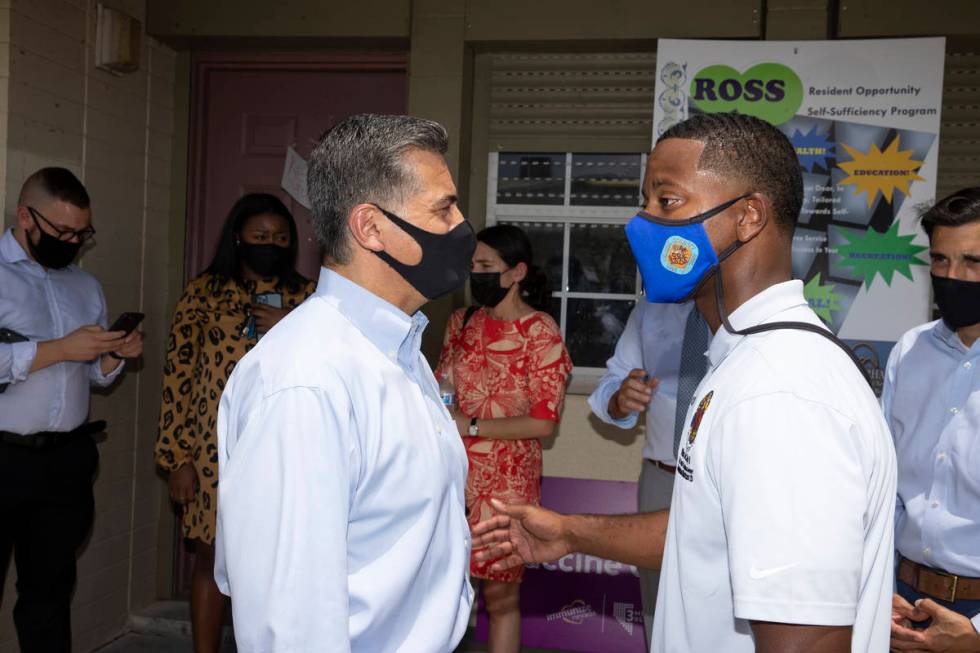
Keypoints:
(675, 257)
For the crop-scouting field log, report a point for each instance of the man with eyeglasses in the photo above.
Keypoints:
(53, 346)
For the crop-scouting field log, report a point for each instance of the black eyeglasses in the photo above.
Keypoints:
(63, 234)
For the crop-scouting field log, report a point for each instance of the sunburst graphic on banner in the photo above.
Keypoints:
(812, 148)
(870, 253)
(877, 171)
(822, 298)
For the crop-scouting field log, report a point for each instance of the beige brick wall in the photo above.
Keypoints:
(116, 133)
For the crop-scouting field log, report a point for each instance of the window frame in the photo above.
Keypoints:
(583, 379)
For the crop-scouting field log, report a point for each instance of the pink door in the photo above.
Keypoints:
(249, 109)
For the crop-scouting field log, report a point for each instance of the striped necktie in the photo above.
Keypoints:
(693, 366)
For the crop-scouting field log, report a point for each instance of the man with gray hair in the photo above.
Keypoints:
(341, 524)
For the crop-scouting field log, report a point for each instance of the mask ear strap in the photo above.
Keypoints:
(697, 219)
(415, 232)
(720, 303)
(728, 251)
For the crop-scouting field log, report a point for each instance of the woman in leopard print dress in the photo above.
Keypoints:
(216, 322)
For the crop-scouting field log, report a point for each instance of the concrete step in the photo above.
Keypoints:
(165, 627)
(172, 620)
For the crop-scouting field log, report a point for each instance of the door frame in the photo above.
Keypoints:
(204, 64)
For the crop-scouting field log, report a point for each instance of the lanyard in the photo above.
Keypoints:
(779, 326)
(804, 326)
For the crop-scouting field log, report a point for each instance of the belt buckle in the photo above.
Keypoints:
(952, 589)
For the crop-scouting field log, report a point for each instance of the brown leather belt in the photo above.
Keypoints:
(670, 469)
(937, 583)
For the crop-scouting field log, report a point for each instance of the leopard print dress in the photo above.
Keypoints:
(205, 344)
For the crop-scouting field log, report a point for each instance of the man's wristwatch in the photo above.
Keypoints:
(474, 429)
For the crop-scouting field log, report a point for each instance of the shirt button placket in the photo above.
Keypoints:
(932, 519)
(64, 369)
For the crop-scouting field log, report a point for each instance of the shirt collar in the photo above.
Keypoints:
(396, 334)
(10, 249)
(951, 339)
(761, 308)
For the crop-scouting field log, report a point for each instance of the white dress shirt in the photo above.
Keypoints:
(931, 400)
(651, 341)
(45, 305)
(784, 497)
(341, 521)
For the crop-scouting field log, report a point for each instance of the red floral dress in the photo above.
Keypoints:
(504, 368)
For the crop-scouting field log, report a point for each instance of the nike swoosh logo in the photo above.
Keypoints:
(758, 574)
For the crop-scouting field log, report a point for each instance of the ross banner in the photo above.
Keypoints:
(864, 119)
(580, 602)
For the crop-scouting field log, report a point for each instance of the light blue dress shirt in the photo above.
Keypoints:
(45, 305)
(931, 400)
(652, 341)
(341, 519)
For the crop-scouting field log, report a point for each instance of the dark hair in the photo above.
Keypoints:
(960, 208)
(514, 247)
(750, 150)
(58, 183)
(226, 264)
(360, 161)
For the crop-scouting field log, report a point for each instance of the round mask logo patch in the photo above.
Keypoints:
(679, 255)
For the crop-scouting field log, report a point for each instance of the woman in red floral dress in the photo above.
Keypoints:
(509, 367)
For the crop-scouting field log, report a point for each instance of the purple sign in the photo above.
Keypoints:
(580, 602)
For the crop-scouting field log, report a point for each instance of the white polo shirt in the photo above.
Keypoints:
(784, 501)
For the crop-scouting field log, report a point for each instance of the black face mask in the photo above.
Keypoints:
(486, 288)
(958, 301)
(51, 252)
(445, 257)
(264, 260)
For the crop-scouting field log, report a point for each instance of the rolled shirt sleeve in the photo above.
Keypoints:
(100, 379)
(16, 359)
(599, 402)
(627, 356)
(793, 494)
(95, 367)
(283, 513)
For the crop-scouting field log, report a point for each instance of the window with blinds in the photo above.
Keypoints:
(959, 136)
(568, 134)
(573, 207)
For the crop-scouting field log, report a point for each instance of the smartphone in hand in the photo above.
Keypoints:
(273, 299)
(127, 322)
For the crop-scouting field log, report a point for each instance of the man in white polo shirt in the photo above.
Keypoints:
(780, 529)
